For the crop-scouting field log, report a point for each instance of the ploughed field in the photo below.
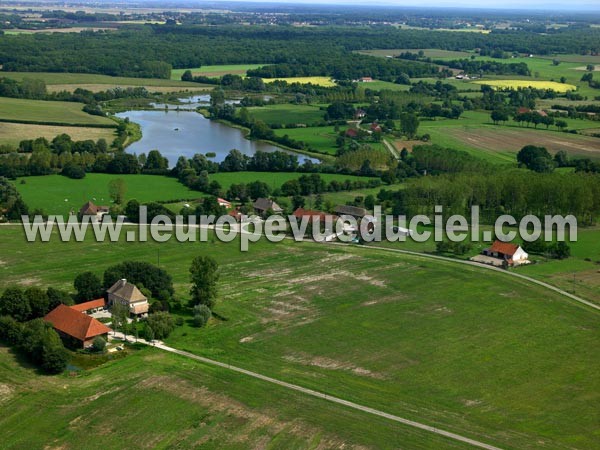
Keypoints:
(461, 348)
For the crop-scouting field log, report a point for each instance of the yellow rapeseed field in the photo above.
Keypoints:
(321, 81)
(515, 84)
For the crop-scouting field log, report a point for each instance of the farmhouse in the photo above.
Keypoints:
(314, 215)
(90, 307)
(262, 205)
(129, 295)
(365, 79)
(224, 203)
(77, 329)
(92, 210)
(503, 253)
(375, 128)
(360, 113)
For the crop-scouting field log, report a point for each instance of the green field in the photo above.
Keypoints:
(216, 71)
(460, 348)
(378, 85)
(56, 194)
(66, 79)
(15, 109)
(428, 52)
(178, 403)
(522, 84)
(273, 179)
(286, 114)
(322, 139)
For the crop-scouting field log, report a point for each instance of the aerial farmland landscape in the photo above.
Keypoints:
(299, 225)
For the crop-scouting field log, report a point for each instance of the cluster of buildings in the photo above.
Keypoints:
(76, 324)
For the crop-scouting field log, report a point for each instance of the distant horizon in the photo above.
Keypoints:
(550, 6)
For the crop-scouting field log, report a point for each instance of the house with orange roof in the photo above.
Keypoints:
(90, 307)
(76, 329)
(503, 253)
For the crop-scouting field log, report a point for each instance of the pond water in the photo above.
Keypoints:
(185, 133)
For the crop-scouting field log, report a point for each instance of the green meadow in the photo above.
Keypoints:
(216, 70)
(273, 179)
(57, 194)
(460, 348)
(286, 114)
(321, 139)
(14, 109)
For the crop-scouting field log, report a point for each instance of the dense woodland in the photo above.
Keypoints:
(151, 51)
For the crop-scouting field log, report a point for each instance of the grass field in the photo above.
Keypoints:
(460, 348)
(13, 133)
(273, 179)
(216, 71)
(320, 81)
(428, 52)
(287, 114)
(94, 82)
(516, 84)
(43, 111)
(320, 138)
(178, 403)
(378, 85)
(57, 194)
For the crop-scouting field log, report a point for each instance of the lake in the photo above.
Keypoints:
(185, 133)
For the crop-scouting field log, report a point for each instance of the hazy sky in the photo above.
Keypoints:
(548, 5)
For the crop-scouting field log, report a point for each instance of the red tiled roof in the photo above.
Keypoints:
(82, 307)
(74, 323)
(506, 248)
(351, 132)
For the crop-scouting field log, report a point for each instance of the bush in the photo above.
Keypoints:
(99, 344)
(201, 315)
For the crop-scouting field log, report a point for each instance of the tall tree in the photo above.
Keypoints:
(88, 287)
(204, 276)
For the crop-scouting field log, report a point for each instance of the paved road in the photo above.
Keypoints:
(317, 394)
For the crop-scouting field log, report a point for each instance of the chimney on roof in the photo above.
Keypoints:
(123, 281)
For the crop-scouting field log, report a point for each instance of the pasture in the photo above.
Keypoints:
(427, 52)
(176, 402)
(286, 114)
(395, 332)
(13, 133)
(216, 71)
(273, 179)
(322, 139)
(379, 85)
(57, 194)
(21, 110)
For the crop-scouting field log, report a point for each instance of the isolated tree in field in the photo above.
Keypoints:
(528, 154)
(13, 303)
(117, 190)
(590, 67)
(88, 287)
(409, 124)
(204, 276)
(187, 76)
